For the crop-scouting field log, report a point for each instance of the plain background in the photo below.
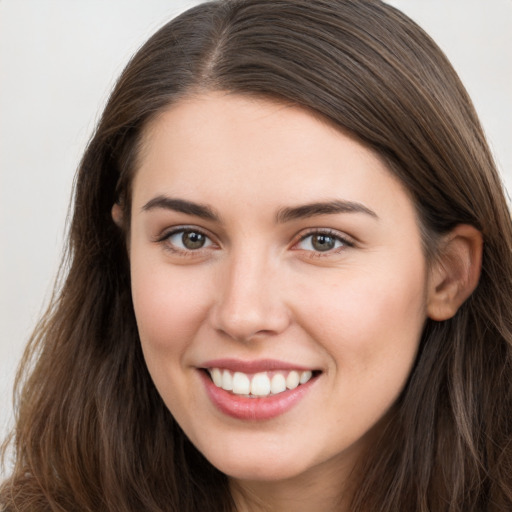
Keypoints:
(58, 61)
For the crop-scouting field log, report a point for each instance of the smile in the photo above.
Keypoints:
(260, 384)
(256, 390)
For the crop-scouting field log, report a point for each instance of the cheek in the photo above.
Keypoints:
(169, 309)
(372, 335)
(169, 306)
(371, 323)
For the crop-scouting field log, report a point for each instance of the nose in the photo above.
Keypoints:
(251, 301)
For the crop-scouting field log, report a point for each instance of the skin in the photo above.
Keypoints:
(258, 289)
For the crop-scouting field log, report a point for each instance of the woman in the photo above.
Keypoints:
(289, 280)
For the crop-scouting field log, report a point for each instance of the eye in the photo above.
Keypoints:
(322, 241)
(188, 240)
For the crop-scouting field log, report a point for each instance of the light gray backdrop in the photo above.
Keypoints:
(59, 60)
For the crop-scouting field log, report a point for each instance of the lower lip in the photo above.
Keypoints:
(256, 409)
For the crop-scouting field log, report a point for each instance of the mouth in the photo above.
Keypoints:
(257, 390)
(261, 384)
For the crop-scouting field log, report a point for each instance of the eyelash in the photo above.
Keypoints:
(336, 236)
(165, 240)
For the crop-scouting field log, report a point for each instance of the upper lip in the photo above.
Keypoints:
(255, 366)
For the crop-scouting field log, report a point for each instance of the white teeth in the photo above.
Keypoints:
(241, 384)
(217, 377)
(305, 376)
(227, 380)
(293, 379)
(278, 384)
(260, 385)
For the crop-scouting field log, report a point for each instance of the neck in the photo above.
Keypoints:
(314, 490)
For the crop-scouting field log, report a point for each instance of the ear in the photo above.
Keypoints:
(117, 214)
(455, 273)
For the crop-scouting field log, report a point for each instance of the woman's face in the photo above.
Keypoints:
(272, 254)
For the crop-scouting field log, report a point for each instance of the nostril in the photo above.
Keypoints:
(246, 312)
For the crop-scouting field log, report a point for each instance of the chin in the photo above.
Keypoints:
(258, 465)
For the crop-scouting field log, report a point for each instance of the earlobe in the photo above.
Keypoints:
(455, 273)
(117, 214)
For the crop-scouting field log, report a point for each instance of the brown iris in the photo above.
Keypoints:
(193, 240)
(323, 242)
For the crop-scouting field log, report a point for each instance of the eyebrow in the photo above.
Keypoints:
(182, 206)
(283, 215)
(322, 208)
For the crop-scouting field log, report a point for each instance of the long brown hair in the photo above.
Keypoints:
(92, 433)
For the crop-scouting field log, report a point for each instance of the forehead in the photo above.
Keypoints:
(221, 147)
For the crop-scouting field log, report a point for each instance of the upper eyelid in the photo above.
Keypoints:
(301, 235)
(166, 233)
(326, 231)
(163, 239)
(330, 232)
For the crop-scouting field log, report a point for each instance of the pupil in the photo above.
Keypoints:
(323, 242)
(193, 240)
